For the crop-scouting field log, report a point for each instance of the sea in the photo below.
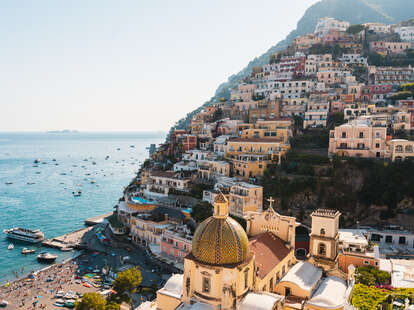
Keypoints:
(39, 196)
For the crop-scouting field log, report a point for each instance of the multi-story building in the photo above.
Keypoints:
(159, 183)
(390, 75)
(377, 27)
(358, 138)
(210, 169)
(354, 59)
(245, 197)
(147, 229)
(389, 47)
(401, 149)
(306, 41)
(330, 77)
(405, 33)
(176, 242)
(289, 89)
(243, 92)
(294, 107)
(317, 112)
(219, 144)
(326, 24)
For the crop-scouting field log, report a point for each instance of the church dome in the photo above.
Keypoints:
(220, 241)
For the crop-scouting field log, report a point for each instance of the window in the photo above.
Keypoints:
(206, 285)
(361, 135)
(271, 285)
(344, 135)
(377, 145)
(408, 149)
(246, 278)
(401, 240)
(377, 135)
(388, 239)
(366, 262)
(322, 231)
(322, 249)
(375, 237)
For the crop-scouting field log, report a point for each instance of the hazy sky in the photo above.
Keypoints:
(126, 65)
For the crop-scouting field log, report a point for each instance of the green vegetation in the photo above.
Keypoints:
(335, 50)
(371, 298)
(371, 276)
(354, 29)
(126, 283)
(375, 59)
(202, 211)
(368, 297)
(91, 301)
(217, 115)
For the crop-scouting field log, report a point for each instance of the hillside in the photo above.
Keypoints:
(354, 11)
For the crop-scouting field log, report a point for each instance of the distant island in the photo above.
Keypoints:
(63, 131)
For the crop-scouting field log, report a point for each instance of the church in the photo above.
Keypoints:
(256, 268)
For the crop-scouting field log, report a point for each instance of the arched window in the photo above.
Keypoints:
(399, 148)
(408, 149)
(322, 231)
(322, 249)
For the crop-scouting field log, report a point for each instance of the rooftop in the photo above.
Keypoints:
(331, 294)
(269, 250)
(326, 213)
(304, 274)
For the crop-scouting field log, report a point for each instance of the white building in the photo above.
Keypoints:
(405, 33)
(354, 59)
(377, 27)
(326, 24)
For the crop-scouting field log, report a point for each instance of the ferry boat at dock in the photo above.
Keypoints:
(24, 234)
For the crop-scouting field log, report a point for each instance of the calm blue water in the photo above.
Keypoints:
(49, 204)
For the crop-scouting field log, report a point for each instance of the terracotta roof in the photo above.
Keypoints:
(269, 250)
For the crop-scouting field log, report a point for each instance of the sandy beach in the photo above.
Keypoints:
(38, 291)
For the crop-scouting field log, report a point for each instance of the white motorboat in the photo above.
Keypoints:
(11, 246)
(28, 251)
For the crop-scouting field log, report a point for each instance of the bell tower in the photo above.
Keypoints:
(323, 247)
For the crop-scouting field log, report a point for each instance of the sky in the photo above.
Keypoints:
(130, 65)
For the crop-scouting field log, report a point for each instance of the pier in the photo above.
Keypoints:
(68, 241)
(97, 219)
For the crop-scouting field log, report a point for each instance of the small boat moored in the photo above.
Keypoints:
(36, 161)
(10, 247)
(77, 193)
(46, 257)
(28, 251)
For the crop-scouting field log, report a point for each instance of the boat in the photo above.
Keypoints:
(77, 193)
(28, 251)
(11, 246)
(36, 161)
(118, 149)
(9, 183)
(67, 249)
(24, 234)
(132, 146)
(93, 182)
(107, 157)
(93, 163)
(30, 183)
(46, 257)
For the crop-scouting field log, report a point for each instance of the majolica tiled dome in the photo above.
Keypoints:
(220, 241)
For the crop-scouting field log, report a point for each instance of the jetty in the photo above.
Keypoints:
(72, 240)
(97, 219)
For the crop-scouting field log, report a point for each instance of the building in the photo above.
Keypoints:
(358, 138)
(405, 33)
(390, 75)
(176, 242)
(226, 270)
(324, 236)
(377, 27)
(244, 92)
(306, 41)
(294, 107)
(354, 59)
(245, 197)
(389, 47)
(326, 24)
(354, 249)
(317, 112)
(401, 149)
(146, 229)
(159, 183)
(210, 169)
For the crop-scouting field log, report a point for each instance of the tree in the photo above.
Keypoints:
(126, 283)
(354, 29)
(202, 211)
(91, 301)
(112, 306)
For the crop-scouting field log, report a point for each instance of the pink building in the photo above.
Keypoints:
(358, 138)
(176, 243)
